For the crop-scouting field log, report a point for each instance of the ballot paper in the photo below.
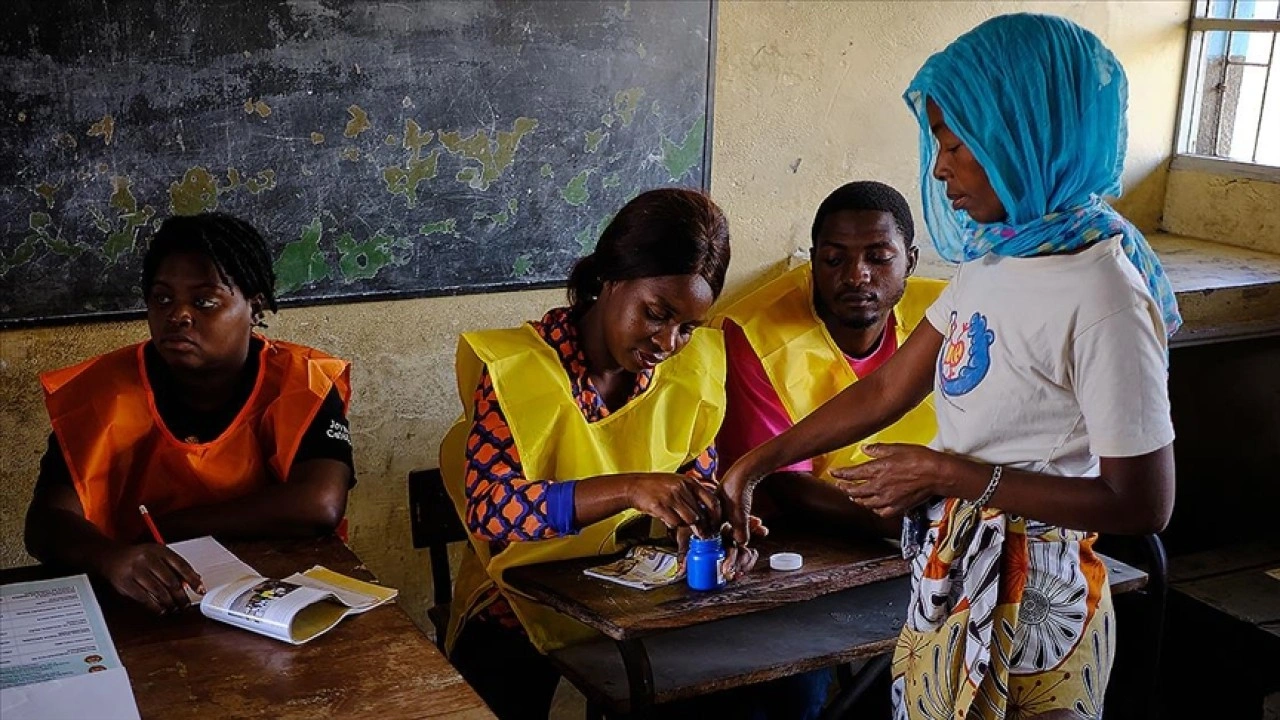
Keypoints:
(56, 655)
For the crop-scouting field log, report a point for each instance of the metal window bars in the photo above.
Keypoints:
(1231, 43)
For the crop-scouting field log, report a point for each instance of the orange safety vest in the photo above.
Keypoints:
(807, 368)
(121, 454)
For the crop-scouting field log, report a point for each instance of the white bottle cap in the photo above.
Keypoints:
(786, 561)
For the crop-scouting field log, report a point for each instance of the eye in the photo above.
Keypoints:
(954, 148)
(882, 258)
(206, 303)
(159, 299)
(687, 329)
(655, 315)
(833, 261)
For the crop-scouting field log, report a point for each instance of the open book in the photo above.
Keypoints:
(293, 609)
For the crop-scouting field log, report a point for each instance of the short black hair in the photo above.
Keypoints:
(668, 231)
(237, 250)
(867, 195)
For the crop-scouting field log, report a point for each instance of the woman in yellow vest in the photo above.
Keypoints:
(577, 424)
(214, 428)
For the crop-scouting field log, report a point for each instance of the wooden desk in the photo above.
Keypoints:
(848, 602)
(375, 665)
(1234, 581)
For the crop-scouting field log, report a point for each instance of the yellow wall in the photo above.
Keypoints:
(1224, 208)
(807, 97)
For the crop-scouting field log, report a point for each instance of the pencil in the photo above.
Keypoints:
(151, 525)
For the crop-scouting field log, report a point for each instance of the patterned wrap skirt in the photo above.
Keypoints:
(1009, 618)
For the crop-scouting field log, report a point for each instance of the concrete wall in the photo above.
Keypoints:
(807, 97)
(1233, 210)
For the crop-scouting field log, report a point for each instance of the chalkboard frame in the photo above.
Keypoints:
(97, 317)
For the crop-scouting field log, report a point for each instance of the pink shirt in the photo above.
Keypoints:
(754, 413)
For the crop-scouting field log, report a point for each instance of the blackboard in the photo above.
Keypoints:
(385, 149)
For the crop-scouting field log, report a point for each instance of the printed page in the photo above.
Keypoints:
(52, 629)
(644, 567)
(356, 594)
(216, 564)
(259, 604)
(56, 656)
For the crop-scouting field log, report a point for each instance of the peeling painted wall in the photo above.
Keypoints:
(807, 97)
(1229, 210)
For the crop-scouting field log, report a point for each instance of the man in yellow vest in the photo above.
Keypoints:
(798, 340)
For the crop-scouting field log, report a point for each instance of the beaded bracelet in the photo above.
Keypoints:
(985, 497)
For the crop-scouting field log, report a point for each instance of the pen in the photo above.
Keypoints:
(151, 525)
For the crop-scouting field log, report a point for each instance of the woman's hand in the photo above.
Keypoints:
(896, 479)
(736, 489)
(677, 500)
(153, 575)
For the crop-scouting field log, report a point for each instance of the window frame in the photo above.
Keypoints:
(1187, 116)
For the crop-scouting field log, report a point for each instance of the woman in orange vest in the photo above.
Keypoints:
(577, 424)
(216, 429)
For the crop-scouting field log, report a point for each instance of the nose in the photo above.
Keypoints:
(941, 169)
(179, 315)
(857, 272)
(667, 337)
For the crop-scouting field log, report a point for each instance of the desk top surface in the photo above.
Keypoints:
(377, 664)
(830, 565)
(1234, 580)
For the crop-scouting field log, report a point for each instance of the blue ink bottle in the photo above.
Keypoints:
(702, 564)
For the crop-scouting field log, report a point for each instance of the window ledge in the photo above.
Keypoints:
(1224, 292)
(1225, 167)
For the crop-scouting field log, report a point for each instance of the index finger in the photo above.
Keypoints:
(856, 488)
(184, 571)
(710, 506)
(855, 472)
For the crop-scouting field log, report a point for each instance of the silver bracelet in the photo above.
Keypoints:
(985, 497)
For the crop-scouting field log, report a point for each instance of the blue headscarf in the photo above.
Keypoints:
(1040, 102)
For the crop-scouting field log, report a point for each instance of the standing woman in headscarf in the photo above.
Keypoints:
(1048, 356)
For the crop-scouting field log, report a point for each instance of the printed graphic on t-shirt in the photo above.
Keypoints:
(966, 355)
(338, 431)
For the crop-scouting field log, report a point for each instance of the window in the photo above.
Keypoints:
(1231, 94)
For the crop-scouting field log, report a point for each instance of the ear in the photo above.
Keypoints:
(913, 257)
(257, 303)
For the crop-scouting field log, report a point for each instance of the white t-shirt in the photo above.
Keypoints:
(1050, 362)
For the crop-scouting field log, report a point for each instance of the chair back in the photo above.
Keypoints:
(434, 525)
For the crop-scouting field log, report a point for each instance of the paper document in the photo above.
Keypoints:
(644, 567)
(1275, 573)
(54, 646)
(215, 564)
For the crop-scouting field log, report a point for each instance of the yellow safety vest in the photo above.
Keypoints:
(668, 425)
(807, 368)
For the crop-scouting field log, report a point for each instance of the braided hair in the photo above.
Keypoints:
(237, 250)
